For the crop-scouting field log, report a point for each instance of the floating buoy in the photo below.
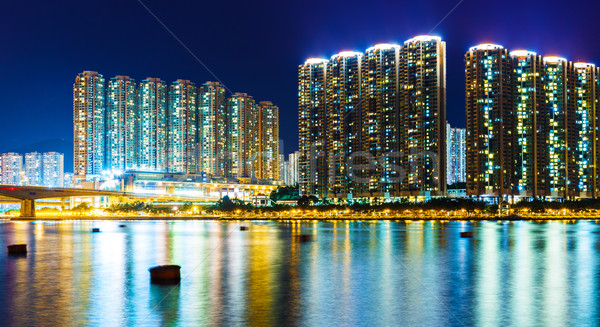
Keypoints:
(304, 238)
(95, 230)
(244, 228)
(166, 274)
(17, 249)
(466, 234)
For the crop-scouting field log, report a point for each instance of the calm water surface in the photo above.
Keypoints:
(355, 273)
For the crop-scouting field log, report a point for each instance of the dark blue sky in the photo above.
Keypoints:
(253, 47)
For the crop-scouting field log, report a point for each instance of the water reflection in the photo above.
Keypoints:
(351, 273)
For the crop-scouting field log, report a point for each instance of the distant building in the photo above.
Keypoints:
(12, 166)
(292, 169)
(241, 135)
(33, 169)
(211, 128)
(456, 156)
(181, 129)
(68, 180)
(121, 124)
(283, 168)
(53, 169)
(89, 123)
(152, 128)
(182, 126)
(267, 158)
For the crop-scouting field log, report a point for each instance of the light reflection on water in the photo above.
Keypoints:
(353, 273)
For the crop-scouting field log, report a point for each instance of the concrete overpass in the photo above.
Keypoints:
(28, 194)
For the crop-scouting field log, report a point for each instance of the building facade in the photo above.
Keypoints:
(531, 125)
(89, 123)
(558, 88)
(53, 168)
(489, 113)
(583, 132)
(241, 136)
(374, 124)
(211, 127)
(529, 119)
(312, 127)
(182, 126)
(456, 155)
(380, 116)
(182, 129)
(292, 166)
(152, 125)
(121, 124)
(12, 168)
(33, 170)
(423, 115)
(344, 125)
(267, 156)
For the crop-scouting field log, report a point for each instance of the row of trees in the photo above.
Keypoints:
(291, 194)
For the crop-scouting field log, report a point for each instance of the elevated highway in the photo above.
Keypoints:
(28, 194)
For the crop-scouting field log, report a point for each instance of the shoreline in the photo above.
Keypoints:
(297, 218)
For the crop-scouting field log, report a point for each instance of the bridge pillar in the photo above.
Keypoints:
(27, 208)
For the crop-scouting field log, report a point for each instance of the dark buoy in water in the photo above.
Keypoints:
(304, 238)
(95, 230)
(17, 249)
(121, 225)
(244, 228)
(466, 234)
(166, 274)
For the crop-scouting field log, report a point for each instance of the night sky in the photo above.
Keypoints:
(253, 47)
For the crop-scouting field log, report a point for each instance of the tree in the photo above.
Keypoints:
(305, 200)
(225, 204)
(284, 192)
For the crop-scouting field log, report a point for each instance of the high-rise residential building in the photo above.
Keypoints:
(529, 122)
(344, 125)
(53, 169)
(583, 131)
(12, 167)
(89, 123)
(68, 180)
(241, 136)
(379, 105)
(489, 111)
(312, 127)
(121, 124)
(423, 115)
(0, 169)
(531, 125)
(33, 169)
(292, 166)
(182, 127)
(211, 128)
(266, 157)
(455, 155)
(152, 125)
(282, 167)
(558, 87)
(383, 130)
